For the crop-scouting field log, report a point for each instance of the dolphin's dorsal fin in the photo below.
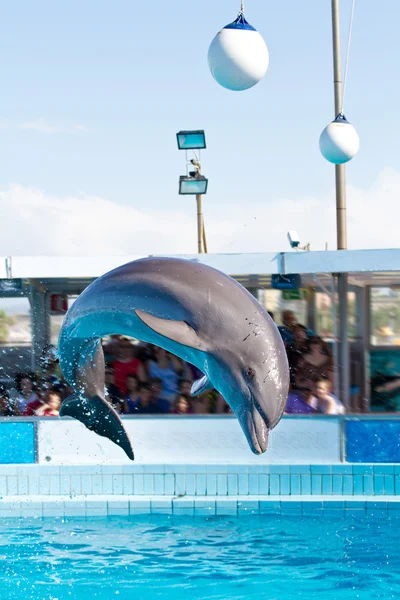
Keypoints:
(201, 385)
(178, 331)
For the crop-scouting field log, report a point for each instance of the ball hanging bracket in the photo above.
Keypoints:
(341, 118)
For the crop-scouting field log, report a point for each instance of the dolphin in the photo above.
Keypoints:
(193, 311)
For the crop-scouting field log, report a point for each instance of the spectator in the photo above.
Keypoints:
(289, 322)
(271, 314)
(314, 364)
(5, 403)
(144, 352)
(144, 403)
(51, 405)
(132, 388)
(156, 386)
(181, 405)
(165, 367)
(300, 401)
(126, 364)
(111, 347)
(26, 393)
(185, 387)
(296, 351)
(115, 397)
(327, 402)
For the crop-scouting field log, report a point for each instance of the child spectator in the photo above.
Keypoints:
(24, 383)
(144, 402)
(51, 405)
(181, 406)
(132, 388)
(327, 402)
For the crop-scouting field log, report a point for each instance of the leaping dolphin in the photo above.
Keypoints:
(192, 310)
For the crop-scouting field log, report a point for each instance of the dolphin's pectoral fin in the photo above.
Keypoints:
(201, 385)
(178, 331)
(98, 416)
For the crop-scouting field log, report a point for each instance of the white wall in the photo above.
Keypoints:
(193, 440)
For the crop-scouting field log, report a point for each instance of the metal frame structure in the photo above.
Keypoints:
(41, 276)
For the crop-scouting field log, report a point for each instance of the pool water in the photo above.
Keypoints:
(218, 558)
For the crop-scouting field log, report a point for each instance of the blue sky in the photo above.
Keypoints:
(93, 94)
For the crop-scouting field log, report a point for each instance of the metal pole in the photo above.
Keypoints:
(200, 224)
(204, 238)
(341, 220)
(199, 202)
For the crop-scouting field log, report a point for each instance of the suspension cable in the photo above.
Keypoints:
(348, 51)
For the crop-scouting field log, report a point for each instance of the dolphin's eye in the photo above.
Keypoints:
(250, 373)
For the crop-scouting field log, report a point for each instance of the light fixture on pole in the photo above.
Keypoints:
(194, 183)
(191, 140)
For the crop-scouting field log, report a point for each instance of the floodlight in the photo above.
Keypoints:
(192, 185)
(191, 140)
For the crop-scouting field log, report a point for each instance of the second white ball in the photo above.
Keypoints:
(339, 141)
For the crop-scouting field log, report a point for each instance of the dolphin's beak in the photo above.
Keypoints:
(255, 429)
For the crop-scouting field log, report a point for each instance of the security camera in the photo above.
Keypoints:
(293, 238)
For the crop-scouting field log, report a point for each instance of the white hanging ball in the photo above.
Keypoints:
(238, 56)
(339, 141)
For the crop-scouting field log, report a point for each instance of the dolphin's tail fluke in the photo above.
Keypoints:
(98, 416)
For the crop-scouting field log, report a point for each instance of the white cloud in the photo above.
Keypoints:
(34, 222)
(43, 126)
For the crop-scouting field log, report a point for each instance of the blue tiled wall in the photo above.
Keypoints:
(373, 441)
(17, 443)
(221, 481)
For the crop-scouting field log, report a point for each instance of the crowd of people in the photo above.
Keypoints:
(145, 379)
(139, 379)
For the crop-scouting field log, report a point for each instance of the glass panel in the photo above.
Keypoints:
(274, 301)
(353, 318)
(56, 322)
(324, 317)
(15, 321)
(385, 316)
(15, 337)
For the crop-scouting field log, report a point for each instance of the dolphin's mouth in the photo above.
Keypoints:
(255, 428)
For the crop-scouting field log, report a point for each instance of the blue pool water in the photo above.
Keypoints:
(219, 558)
